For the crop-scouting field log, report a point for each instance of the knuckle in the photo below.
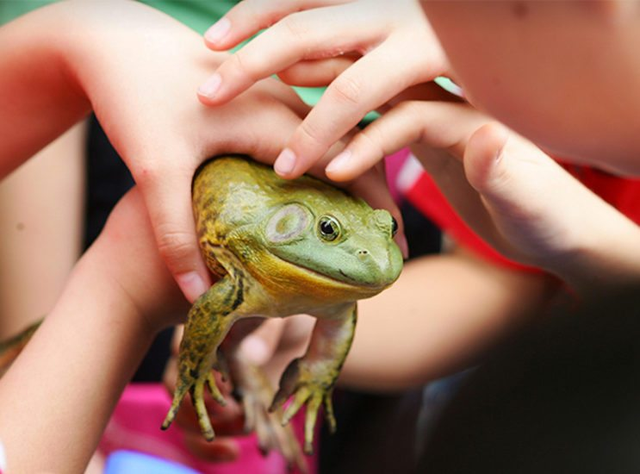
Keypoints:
(294, 27)
(243, 64)
(412, 108)
(311, 133)
(371, 139)
(346, 89)
(176, 246)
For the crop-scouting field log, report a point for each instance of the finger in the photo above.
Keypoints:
(259, 346)
(370, 82)
(317, 72)
(436, 124)
(307, 35)
(167, 195)
(250, 16)
(227, 420)
(221, 449)
(427, 91)
(520, 186)
(265, 126)
(530, 198)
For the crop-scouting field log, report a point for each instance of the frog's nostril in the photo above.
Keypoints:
(362, 253)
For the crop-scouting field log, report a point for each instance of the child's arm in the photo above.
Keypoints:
(439, 316)
(510, 192)
(41, 238)
(366, 51)
(59, 394)
(139, 70)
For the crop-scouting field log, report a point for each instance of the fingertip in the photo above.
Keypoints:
(208, 92)
(484, 151)
(402, 242)
(255, 350)
(192, 285)
(341, 167)
(216, 35)
(218, 450)
(285, 164)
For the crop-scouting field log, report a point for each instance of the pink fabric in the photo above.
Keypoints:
(135, 425)
(393, 166)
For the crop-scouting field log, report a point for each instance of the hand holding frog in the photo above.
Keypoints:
(509, 191)
(63, 60)
(368, 51)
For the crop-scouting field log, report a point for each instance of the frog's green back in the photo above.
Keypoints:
(234, 191)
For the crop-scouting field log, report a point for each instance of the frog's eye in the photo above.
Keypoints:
(329, 228)
(394, 227)
(288, 223)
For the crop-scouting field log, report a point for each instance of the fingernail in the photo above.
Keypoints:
(211, 86)
(218, 31)
(254, 349)
(192, 285)
(285, 163)
(404, 246)
(339, 162)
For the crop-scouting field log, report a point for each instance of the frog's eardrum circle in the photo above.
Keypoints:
(287, 223)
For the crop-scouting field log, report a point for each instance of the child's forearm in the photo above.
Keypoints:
(39, 98)
(60, 392)
(57, 397)
(443, 311)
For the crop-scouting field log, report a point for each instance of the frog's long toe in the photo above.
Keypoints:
(307, 388)
(196, 388)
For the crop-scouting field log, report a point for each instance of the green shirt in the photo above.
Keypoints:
(198, 15)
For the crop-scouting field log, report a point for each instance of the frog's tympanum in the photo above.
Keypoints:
(281, 247)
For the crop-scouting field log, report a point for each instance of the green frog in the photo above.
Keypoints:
(278, 248)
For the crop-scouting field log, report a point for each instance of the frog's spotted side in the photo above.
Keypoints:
(281, 248)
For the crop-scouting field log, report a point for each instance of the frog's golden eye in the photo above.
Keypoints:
(394, 227)
(329, 228)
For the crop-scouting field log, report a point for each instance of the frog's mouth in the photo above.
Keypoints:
(347, 281)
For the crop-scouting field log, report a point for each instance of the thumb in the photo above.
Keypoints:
(523, 191)
(167, 196)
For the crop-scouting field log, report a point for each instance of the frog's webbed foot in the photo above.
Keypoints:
(310, 379)
(195, 386)
(208, 322)
(310, 387)
(255, 391)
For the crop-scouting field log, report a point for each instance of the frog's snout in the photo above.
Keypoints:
(363, 254)
(377, 268)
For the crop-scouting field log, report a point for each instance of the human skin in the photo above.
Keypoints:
(118, 297)
(351, 47)
(563, 74)
(40, 237)
(61, 61)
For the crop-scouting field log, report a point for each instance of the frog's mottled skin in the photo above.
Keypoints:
(273, 246)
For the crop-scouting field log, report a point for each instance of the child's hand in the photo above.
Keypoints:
(374, 49)
(512, 194)
(139, 70)
(126, 255)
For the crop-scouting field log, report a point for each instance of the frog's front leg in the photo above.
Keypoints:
(208, 322)
(310, 379)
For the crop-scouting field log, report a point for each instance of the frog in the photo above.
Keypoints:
(279, 248)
